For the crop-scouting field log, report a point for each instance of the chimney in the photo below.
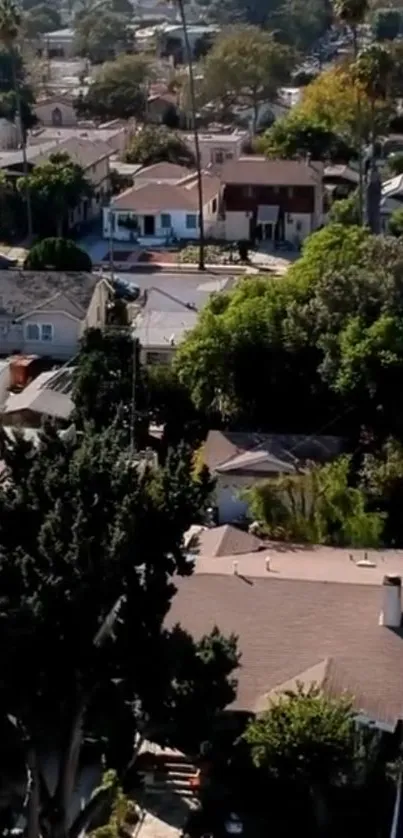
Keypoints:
(391, 614)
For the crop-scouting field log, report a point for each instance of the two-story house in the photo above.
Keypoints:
(274, 200)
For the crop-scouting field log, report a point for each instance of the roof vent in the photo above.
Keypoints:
(267, 563)
(235, 568)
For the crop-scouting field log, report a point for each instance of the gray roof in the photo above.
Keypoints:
(24, 291)
(41, 397)
(164, 328)
(237, 452)
(83, 151)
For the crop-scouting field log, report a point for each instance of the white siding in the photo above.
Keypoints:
(298, 226)
(178, 224)
(237, 226)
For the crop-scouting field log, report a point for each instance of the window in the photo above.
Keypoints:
(32, 331)
(37, 332)
(229, 155)
(219, 157)
(214, 205)
(46, 332)
(191, 222)
(165, 220)
(157, 357)
(57, 117)
(290, 191)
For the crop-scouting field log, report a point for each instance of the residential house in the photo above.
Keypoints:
(326, 616)
(216, 148)
(56, 111)
(44, 313)
(160, 332)
(340, 180)
(115, 134)
(92, 155)
(215, 542)
(162, 173)
(57, 44)
(240, 460)
(171, 39)
(157, 212)
(391, 199)
(46, 397)
(271, 200)
(161, 105)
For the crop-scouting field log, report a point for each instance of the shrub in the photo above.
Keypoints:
(57, 255)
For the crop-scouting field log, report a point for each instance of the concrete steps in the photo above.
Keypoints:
(173, 774)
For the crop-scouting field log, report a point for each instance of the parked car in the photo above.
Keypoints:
(233, 824)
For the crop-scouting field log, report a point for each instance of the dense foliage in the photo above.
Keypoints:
(117, 91)
(57, 186)
(246, 65)
(86, 583)
(157, 144)
(57, 255)
(317, 506)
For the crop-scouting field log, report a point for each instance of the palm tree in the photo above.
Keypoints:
(10, 24)
(192, 97)
(352, 13)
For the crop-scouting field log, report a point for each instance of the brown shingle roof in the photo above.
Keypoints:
(163, 171)
(225, 541)
(84, 152)
(161, 197)
(259, 171)
(224, 449)
(287, 626)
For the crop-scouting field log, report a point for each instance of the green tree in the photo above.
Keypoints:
(10, 27)
(109, 381)
(57, 255)
(395, 223)
(86, 586)
(41, 18)
(373, 69)
(246, 65)
(395, 163)
(245, 347)
(296, 136)
(318, 506)
(159, 145)
(101, 34)
(307, 740)
(386, 24)
(345, 211)
(118, 89)
(56, 186)
(381, 478)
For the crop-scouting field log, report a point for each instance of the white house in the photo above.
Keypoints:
(156, 212)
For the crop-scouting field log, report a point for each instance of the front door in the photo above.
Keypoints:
(268, 231)
(149, 225)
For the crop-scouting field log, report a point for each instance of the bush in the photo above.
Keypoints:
(57, 255)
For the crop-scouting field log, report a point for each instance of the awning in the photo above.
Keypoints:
(267, 214)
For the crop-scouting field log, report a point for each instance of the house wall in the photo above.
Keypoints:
(45, 112)
(24, 418)
(65, 336)
(178, 224)
(214, 153)
(157, 355)
(99, 176)
(230, 506)
(297, 226)
(237, 226)
(294, 199)
(96, 313)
